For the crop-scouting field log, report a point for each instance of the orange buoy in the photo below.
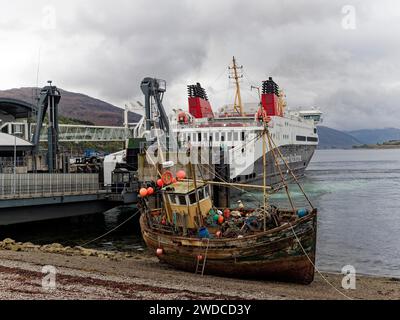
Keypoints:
(180, 175)
(160, 183)
(150, 191)
(218, 234)
(143, 192)
(159, 252)
(221, 219)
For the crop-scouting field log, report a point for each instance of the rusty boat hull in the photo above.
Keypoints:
(272, 255)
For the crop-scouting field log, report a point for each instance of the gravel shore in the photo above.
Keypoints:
(143, 277)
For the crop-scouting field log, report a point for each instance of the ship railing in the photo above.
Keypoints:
(216, 125)
(31, 185)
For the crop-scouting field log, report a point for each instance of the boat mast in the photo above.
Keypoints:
(238, 106)
(265, 196)
(198, 208)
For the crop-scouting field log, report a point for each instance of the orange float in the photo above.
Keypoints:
(143, 192)
(221, 219)
(180, 175)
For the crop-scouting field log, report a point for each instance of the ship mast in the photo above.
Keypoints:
(238, 106)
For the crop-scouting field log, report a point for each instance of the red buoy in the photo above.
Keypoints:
(159, 252)
(150, 191)
(227, 213)
(182, 118)
(221, 219)
(218, 234)
(160, 183)
(200, 257)
(167, 177)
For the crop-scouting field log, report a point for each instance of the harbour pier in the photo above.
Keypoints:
(32, 196)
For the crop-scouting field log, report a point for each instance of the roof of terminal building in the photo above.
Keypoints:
(7, 143)
(16, 108)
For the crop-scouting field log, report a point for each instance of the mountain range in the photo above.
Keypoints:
(335, 139)
(78, 106)
(373, 136)
(94, 111)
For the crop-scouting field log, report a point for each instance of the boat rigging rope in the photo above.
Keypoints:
(315, 267)
(213, 172)
(217, 78)
(292, 174)
(279, 169)
(108, 232)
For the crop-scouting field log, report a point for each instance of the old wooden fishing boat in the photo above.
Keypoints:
(275, 254)
(185, 230)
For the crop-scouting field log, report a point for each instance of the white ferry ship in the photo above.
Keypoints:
(237, 130)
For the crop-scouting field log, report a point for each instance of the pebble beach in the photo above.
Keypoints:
(86, 274)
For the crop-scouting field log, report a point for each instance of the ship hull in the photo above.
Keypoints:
(273, 255)
(298, 158)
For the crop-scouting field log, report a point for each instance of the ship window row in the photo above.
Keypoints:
(217, 136)
(315, 117)
(309, 139)
(278, 136)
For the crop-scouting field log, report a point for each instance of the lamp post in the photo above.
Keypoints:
(15, 157)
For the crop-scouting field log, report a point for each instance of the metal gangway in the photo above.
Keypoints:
(77, 133)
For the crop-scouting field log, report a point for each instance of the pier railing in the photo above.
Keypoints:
(30, 185)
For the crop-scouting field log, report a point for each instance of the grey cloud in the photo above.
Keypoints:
(105, 48)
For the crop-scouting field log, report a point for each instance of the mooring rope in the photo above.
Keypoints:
(108, 232)
(315, 267)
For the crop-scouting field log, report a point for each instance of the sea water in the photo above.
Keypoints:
(357, 193)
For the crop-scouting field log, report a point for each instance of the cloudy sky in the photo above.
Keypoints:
(340, 56)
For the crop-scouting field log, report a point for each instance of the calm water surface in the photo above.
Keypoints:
(357, 193)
